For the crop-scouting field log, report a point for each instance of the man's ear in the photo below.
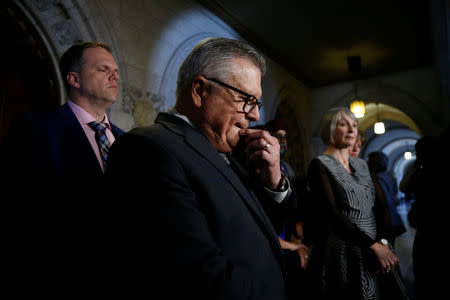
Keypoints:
(199, 90)
(74, 79)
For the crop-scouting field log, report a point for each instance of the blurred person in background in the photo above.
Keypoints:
(356, 148)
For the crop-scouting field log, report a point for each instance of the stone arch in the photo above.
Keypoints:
(381, 111)
(30, 80)
(373, 91)
(59, 24)
(167, 86)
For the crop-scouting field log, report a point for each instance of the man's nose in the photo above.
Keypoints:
(114, 75)
(254, 115)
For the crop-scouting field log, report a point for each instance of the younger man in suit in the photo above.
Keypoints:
(47, 149)
(59, 234)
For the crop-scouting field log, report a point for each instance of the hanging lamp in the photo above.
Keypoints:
(358, 108)
(357, 105)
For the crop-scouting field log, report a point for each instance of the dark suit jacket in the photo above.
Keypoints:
(203, 233)
(50, 144)
(58, 238)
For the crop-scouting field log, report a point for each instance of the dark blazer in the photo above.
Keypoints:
(59, 235)
(50, 144)
(203, 233)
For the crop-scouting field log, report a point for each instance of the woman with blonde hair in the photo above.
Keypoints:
(344, 221)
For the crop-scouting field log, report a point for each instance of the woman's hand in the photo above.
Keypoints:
(289, 245)
(303, 251)
(296, 245)
(387, 259)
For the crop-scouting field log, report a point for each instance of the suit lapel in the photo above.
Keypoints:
(246, 178)
(201, 145)
(116, 130)
(76, 138)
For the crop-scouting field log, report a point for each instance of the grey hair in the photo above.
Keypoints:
(211, 58)
(330, 120)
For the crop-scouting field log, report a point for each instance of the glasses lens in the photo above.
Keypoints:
(249, 106)
(246, 108)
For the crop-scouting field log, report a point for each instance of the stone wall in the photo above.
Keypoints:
(150, 39)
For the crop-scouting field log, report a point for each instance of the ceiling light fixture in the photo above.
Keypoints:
(407, 155)
(358, 108)
(379, 128)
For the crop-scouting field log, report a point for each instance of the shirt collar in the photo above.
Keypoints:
(84, 117)
(180, 115)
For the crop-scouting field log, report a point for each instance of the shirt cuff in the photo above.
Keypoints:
(281, 194)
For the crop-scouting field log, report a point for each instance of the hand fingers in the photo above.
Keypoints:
(303, 254)
(389, 261)
(263, 150)
(390, 265)
(261, 146)
(303, 261)
(267, 144)
(257, 139)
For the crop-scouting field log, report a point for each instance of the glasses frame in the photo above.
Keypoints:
(247, 96)
(280, 136)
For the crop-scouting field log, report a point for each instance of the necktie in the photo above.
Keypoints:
(102, 140)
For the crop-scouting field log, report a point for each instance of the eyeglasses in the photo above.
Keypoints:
(250, 101)
(280, 136)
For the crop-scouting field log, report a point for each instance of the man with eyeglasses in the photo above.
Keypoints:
(202, 226)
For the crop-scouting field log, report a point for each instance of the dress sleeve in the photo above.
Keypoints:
(325, 209)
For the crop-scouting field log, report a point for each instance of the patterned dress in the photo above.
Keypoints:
(342, 226)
